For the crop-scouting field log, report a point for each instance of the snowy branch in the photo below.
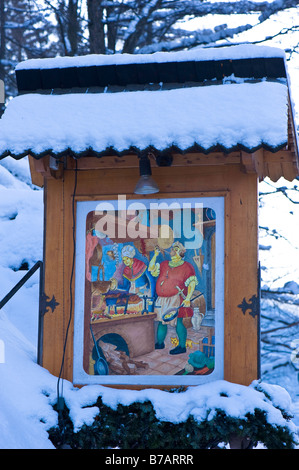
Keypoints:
(195, 39)
(280, 328)
(274, 233)
(283, 190)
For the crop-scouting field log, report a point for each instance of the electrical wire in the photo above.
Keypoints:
(60, 400)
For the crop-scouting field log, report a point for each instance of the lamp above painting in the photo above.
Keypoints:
(146, 184)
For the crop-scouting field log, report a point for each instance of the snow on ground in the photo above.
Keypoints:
(25, 410)
(21, 379)
(29, 391)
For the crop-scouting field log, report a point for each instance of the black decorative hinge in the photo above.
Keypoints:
(45, 303)
(253, 306)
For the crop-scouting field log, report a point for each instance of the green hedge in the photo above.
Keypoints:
(136, 427)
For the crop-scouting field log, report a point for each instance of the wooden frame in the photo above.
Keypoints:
(241, 330)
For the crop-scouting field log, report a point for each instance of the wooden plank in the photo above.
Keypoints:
(275, 171)
(289, 171)
(248, 162)
(272, 164)
(69, 270)
(132, 161)
(41, 164)
(241, 338)
(293, 140)
(45, 168)
(54, 323)
(282, 163)
(169, 179)
(278, 157)
(253, 163)
(213, 158)
(58, 282)
(36, 177)
(259, 158)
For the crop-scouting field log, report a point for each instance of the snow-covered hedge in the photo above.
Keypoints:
(200, 417)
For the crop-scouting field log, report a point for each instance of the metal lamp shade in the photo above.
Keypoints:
(146, 184)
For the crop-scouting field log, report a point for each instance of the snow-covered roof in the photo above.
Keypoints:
(248, 115)
(199, 65)
(225, 112)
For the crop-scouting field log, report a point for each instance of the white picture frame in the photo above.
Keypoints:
(215, 309)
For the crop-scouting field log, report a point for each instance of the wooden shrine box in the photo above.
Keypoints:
(212, 123)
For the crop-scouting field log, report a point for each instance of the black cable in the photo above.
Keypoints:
(60, 400)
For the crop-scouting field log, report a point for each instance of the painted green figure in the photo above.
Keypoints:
(176, 281)
(182, 337)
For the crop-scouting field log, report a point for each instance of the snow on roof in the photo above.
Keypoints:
(249, 115)
(243, 51)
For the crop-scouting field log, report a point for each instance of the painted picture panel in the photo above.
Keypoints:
(150, 291)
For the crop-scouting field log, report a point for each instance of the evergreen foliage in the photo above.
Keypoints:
(137, 427)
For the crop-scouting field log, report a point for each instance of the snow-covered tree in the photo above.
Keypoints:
(141, 26)
(44, 28)
(279, 255)
(24, 33)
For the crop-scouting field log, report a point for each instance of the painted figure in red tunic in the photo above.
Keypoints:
(175, 284)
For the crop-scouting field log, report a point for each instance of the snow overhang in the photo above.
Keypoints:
(226, 117)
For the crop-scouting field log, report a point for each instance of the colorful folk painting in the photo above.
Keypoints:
(149, 291)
